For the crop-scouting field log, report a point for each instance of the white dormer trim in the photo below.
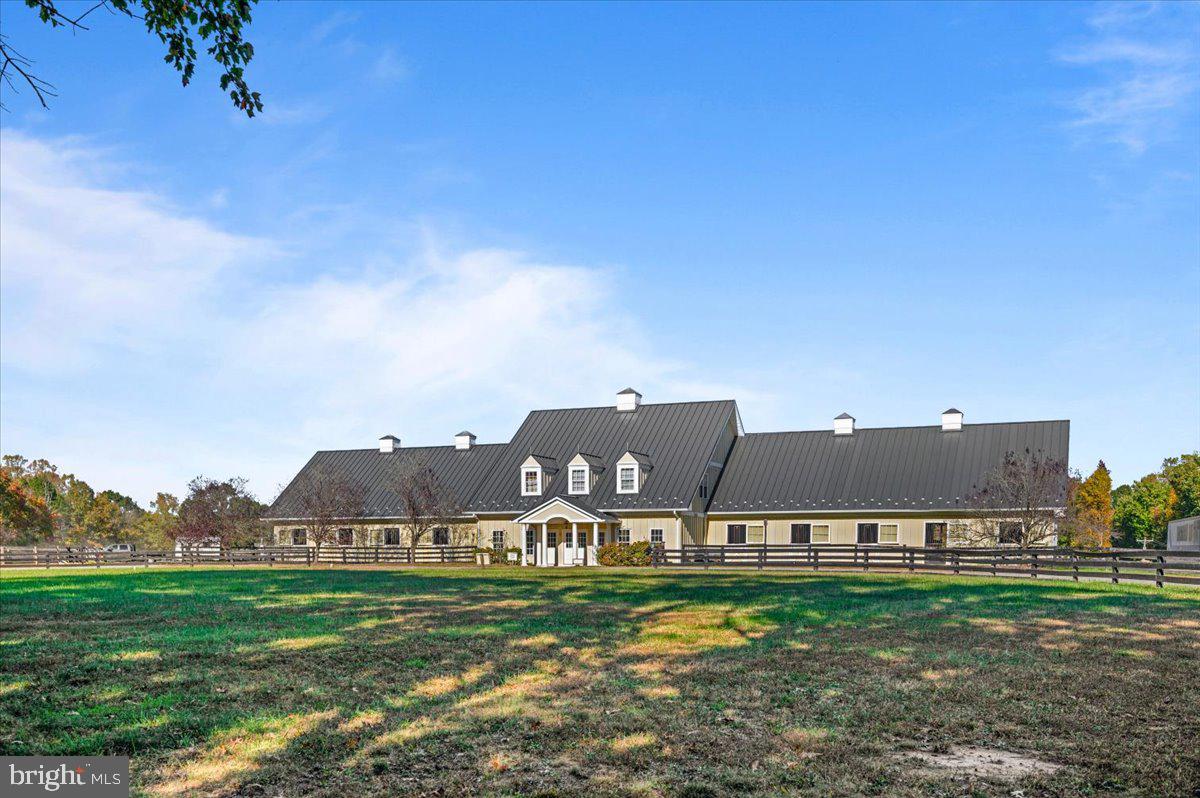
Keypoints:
(640, 465)
(589, 464)
(543, 467)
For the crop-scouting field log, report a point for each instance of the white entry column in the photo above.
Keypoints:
(545, 558)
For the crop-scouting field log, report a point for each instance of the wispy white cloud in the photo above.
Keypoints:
(112, 291)
(1147, 63)
(389, 67)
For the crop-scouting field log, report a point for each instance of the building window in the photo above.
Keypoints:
(441, 536)
(497, 538)
(801, 534)
(530, 544)
(299, 537)
(623, 536)
(531, 482)
(579, 480)
(1010, 533)
(735, 534)
(627, 479)
(820, 533)
(889, 533)
(345, 537)
(552, 539)
(959, 534)
(391, 536)
(569, 539)
(868, 534)
(704, 489)
(599, 537)
(756, 534)
(656, 537)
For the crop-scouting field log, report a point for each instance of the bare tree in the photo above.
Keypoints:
(326, 500)
(1020, 502)
(425, 504)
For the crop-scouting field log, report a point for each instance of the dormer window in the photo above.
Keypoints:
(632, 469)
(536, 473)
(579, 480)
(582, 471)
(531, 482)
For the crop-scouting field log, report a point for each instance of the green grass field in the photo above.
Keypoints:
(519, 682)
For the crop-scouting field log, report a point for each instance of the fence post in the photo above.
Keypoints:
(97, 559)
(1116, 572)
(912, 560)
(1075, 564)
(956, 563)
(1158, 572)
(816, 558)
(1034, 565)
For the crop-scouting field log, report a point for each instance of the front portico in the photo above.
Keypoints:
(563, 531)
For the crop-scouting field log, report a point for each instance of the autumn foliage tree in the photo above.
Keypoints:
(24, 516)
(1091, 510)
(219, 511)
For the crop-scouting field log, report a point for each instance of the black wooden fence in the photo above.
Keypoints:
(280, 555)
(1116, 565)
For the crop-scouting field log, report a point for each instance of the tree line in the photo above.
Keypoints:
(39, 505)
(42, 506)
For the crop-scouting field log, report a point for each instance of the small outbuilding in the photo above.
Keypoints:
(1183, 534)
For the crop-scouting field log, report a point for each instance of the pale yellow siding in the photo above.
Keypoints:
(843, 530)
(371, 534)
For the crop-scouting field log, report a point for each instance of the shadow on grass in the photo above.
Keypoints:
(342, 682)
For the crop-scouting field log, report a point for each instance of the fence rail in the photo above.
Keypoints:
(281, 555)
(1115, 565)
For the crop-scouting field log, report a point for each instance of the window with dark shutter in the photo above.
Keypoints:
(345, 537)
(868, 534)
(391, 536)
(801, 534)
(441, 536)
(735, 534)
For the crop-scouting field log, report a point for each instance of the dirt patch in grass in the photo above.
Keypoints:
(987, 763)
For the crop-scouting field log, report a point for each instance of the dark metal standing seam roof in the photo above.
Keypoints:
(677, 437)
(460, 471)
(897, 468)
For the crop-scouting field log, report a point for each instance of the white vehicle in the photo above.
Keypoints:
(124, 548)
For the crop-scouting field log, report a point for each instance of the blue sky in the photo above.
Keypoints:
(451, 214)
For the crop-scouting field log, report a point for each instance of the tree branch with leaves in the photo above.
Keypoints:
(176, 23)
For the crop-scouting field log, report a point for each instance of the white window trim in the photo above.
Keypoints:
(896, 524)
(636, 477)
(627, 534)
(527, 470)
(572, 471)
(662, 534)
(812, 533)
(738, 523)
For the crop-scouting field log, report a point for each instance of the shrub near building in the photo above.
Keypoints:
(624, 554)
